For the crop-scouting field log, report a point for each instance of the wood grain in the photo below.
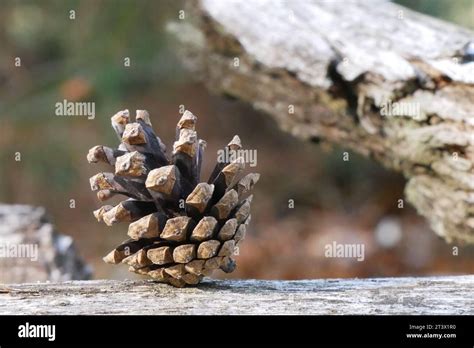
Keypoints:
(431, 295)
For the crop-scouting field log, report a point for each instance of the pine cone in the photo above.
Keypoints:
(180, 230)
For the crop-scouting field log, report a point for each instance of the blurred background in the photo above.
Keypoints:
(82, 59)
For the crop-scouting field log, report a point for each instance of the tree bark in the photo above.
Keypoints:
(378, 79)
(411, 296)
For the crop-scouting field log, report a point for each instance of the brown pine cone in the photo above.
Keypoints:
(180, 229)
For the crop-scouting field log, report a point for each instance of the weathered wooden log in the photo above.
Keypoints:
(47, 254)
(380, 80)
(446, 295)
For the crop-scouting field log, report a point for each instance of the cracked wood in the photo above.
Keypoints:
(336, 65)
(431, 295)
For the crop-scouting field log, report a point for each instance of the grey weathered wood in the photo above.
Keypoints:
(338, 64)
(432, 295)
(57, 256)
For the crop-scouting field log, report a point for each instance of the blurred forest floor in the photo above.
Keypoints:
(82, 60)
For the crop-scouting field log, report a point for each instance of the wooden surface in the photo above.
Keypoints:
(331, 71)
(434, 295)
(57, 257)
